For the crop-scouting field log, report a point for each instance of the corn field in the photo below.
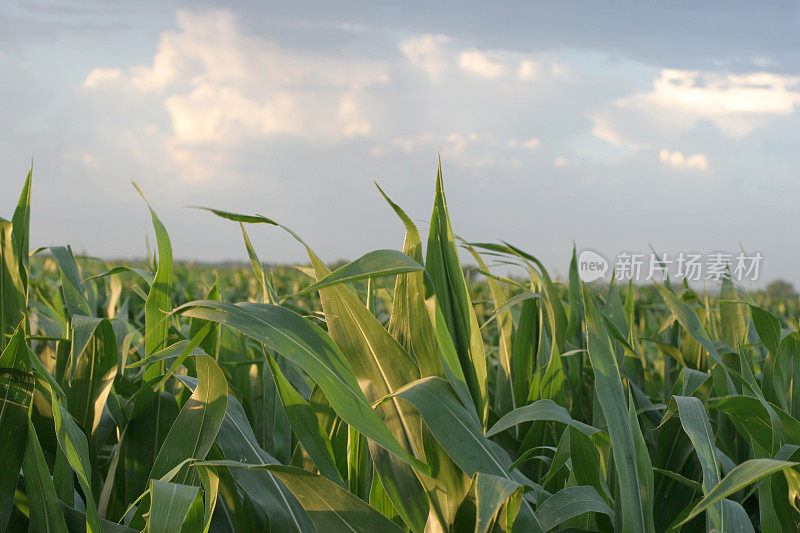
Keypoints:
(397, 392)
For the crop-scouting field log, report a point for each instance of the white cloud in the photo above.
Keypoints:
(458, 142)
(428, 53)
(102, 76)
(351, 118)
(564, 162)
(220, 85)
(529, 144)
(719, 94)
(411, 143)
(439, 57)
(683, 162)
(83, 158)
(560, 70)
(466, 149)
(735, 103)
(481, 64)
(452, 144)
(213, 113)
(603, 128)
(199, 165)
(527, 70)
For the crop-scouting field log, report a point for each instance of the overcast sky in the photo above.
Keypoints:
(615, 125)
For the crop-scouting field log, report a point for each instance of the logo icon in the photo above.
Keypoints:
(591, 266)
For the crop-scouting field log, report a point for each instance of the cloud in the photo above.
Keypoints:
(213, 92)
(529, 144)
(714, 94)
(459, 142)
(428, 53)
(527, 70)
(736, 104)
(603, 128)
(469, 150)
(481, 64)
(100, 77)
(683, 162)
(84, 159)
(440, 57)
(352, 119)
(453, 144)
(564, 162)
(220, 85)
(216, 114)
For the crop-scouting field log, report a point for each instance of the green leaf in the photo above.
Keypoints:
(696, 425)
(539, 410)
(14, 238)
(71, 284)
(491, 492)
(574, 295)
(524, 344)
(331, 507)
(142, 273)
(413, 319)
(306, 345)
(16, 394)
(767, 326)
(196, 427)
(504, 394)
(686, 482)
(45, 512)
(381, 366)
(237, 442)
(752, 418)
(461, 435)
(13, 290)
(74, 446)
(236, 217)
(22, 223)
(587, 467)
(743, 475)
(151, 418)
(305, 425)
(569, 503)
(644, 465)
(267, 292)
(413, 323)
(170, 504)
(786, 372)
(733, 330)
(444, 268)
(689, 320)
(76, 522)
(457, 431)
(371, 265)
(92, 368)
(159, 299)
(608, 386)
(210, 492)
(553, 296)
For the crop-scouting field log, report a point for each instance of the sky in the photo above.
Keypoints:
(616, 126)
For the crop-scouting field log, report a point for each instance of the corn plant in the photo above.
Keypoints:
(397, 392)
